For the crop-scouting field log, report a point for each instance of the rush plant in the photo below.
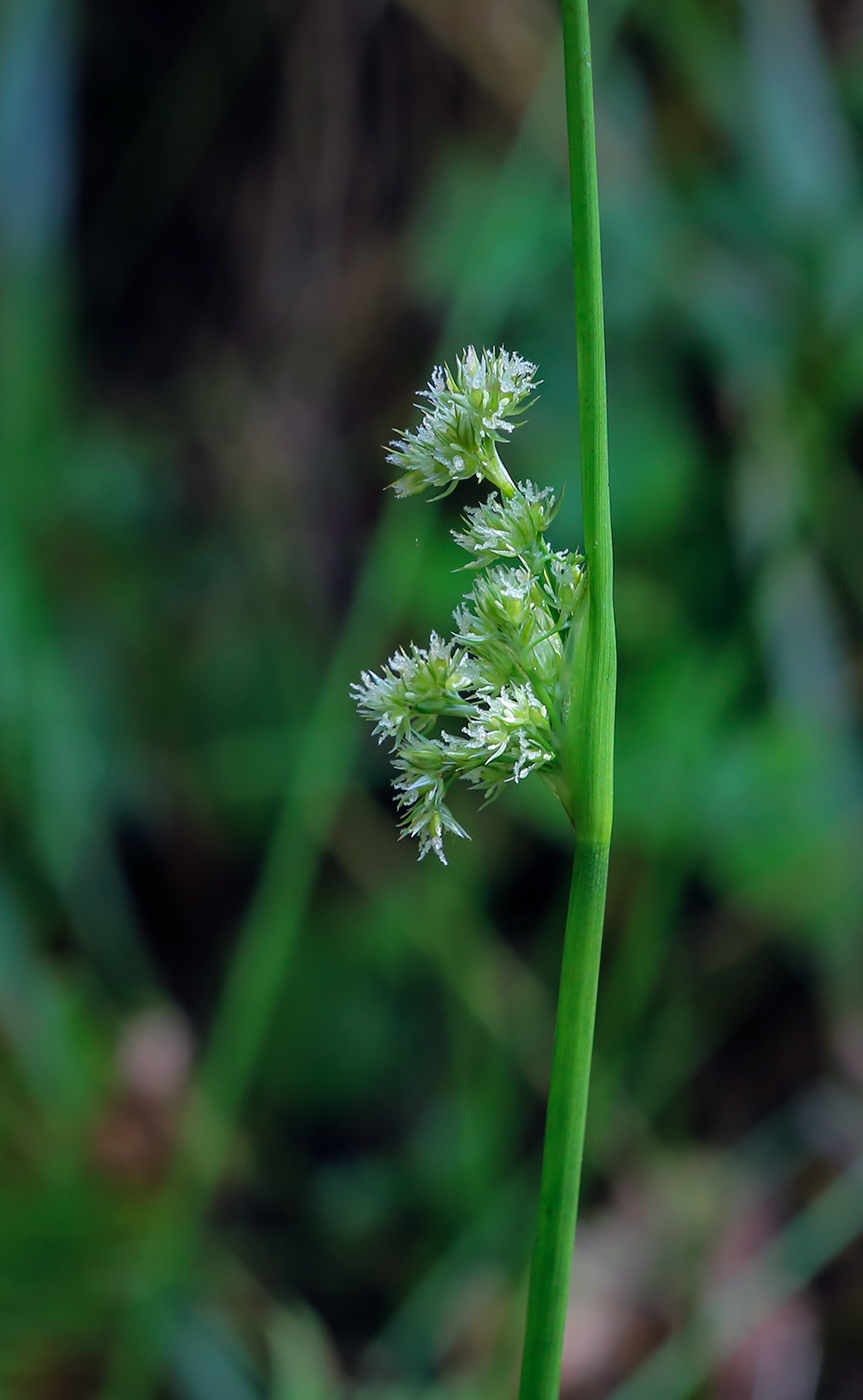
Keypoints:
(514, 691)
(527, 682)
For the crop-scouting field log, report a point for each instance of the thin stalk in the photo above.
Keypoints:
(591, 754)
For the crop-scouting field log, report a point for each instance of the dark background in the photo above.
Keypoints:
(234, 237)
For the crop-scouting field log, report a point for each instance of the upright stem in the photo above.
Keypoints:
(591, 755)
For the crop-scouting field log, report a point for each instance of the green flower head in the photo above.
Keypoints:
(490, 706)
(471, 411)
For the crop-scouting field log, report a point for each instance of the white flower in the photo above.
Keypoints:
(505, 674)
(415, 688)
(425, 766)
(514, 725)
(470, 412)
(510, 528)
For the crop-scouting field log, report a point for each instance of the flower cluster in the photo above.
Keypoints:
(507, 529)
(505, 676)
(470, 412)
(415, 688)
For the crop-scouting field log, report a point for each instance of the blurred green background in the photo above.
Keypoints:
(271, 1092)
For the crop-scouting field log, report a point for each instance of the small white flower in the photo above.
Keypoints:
(470, 412)
(511, 528)
(503, 677)
(425, 766)
(514, 723)
(414, 688)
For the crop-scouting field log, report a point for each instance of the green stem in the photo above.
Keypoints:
(591, 754)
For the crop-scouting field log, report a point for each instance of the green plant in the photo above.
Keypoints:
(532, 670)
(518, 684)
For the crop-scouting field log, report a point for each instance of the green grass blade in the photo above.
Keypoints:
(590, 761)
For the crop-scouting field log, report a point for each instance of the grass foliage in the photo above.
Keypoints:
(271, 1092)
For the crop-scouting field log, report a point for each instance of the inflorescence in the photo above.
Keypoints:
(506, 672)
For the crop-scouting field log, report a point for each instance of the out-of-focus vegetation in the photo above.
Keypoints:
(233, 236)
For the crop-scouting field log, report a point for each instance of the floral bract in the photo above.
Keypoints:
(505, 676)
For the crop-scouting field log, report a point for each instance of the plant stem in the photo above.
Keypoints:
(591, 755)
